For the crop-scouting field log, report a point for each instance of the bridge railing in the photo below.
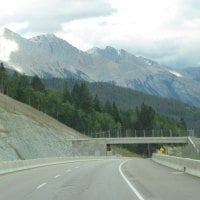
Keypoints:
(116, 133)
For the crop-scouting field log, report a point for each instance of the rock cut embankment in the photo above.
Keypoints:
(26, 133)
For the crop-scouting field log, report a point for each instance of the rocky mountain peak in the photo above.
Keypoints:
(50, 56)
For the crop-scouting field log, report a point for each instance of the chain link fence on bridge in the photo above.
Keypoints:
(116, 133)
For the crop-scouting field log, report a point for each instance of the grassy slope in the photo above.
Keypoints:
(117, 149)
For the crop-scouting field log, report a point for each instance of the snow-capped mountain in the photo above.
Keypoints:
(49, 56)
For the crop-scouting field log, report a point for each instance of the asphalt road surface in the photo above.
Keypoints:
(116, 179)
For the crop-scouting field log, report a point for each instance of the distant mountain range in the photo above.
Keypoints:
(49, 56)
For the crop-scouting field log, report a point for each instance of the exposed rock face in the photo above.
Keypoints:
(26, 133)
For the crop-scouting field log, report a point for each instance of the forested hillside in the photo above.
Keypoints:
(129, 99)
(79, 109)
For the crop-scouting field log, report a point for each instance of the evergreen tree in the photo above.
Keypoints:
(3, 78)
(128, 118)
(183, 124)
(77, 120)
(108, 107)
(105, 121)
(145, 117)
(22, 83)
(29, 96)
(53, 102)
(76, 94)
(82, 97)
(14, 84)
(66, 94)
(86, 98)
(97, 104)
(15, 78)
(115, 113)
(37, 84)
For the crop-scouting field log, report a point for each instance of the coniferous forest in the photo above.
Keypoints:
(77, 108)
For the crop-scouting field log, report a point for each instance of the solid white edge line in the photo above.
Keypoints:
(128, 182)
(39, 186)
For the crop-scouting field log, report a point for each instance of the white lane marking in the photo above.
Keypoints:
(69, 170)
(57, 176)
(77, 167)
(39, 186)
(128, 182)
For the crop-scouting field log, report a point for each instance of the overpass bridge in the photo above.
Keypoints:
(136, 140)
(101, 141)
(100, 146)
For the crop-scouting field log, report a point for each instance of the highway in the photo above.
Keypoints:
(117, 179)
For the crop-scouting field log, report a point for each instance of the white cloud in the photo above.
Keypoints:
(160, 30)
(48, 15)
(6, 47)
(167, 31)
(17, 27)
(128, 23)
(133, 20)
(11, 8)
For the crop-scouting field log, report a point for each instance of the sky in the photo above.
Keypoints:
(163, 30)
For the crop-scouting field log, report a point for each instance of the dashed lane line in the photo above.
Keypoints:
(58, 175)
(42, 185)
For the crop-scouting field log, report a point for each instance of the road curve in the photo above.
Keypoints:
(117, 179)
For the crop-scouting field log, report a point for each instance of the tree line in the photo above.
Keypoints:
(80, 110)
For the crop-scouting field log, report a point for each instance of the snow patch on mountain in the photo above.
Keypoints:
(177, 74)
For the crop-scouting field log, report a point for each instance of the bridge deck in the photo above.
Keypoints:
(138, 140)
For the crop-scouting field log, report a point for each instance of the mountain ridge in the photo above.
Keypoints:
(49, 56)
